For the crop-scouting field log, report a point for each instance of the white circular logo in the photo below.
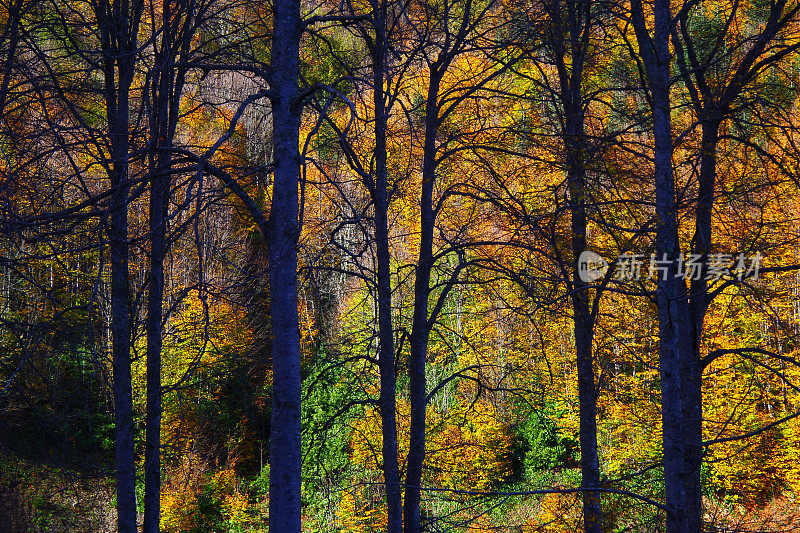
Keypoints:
(591, 266)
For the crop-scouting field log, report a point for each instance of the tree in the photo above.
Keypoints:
(444, 33)
(119, 28)
(180, 22)
(673, 311)
(382, 80)
(391, 71)
(716, 76)
(100, 121)
(284, 230)
(571, 45)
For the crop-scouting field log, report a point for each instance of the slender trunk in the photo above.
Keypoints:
(391, 468)
(671, 289)
(587, 397)
(159, 166)
(121, 359)
(284, 452)
(698, 306)
(119, 42)
(576, 146)
(420, 325)
(159, 192)
(583, 322)
(388, 385)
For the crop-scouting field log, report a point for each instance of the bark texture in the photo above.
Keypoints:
(421, 326)
(118, 30)
(675, 340)
(388, 381)
(576, 145)
(285, 452)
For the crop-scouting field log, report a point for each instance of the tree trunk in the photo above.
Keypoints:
(284, 453)
(420, 325)
(159, 198)
(388, 382)
(160, 159)
(119, 43)
(121, 358)
(587, 397)
(698, 305)
(674, 327)
(576, 147)
(583, 323)
(675, 340)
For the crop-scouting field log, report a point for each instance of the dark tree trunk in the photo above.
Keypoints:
(121, 359)
(165, 98)
(698, 305)
(587, 397)
(674, 326)
(675, 340)
(119, 27)
(159, 198)
(420, 324)
(576, 148)
(284, 452)
(388, 382)
(583, 322)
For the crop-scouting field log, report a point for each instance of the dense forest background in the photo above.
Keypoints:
(318, 265)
